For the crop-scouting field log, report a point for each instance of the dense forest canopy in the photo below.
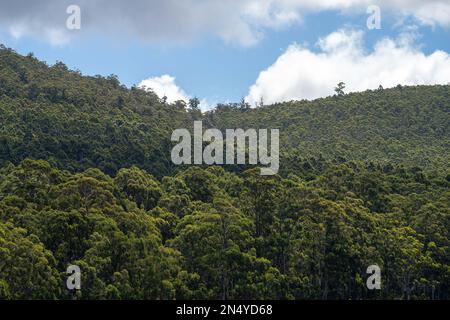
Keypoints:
(77, 122)
(86, 179)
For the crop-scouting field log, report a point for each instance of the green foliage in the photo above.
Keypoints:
(406, 125)
(27, 269)
(253, 237)
(86, 179)
(77, 122)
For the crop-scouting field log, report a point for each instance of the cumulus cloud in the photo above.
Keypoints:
(300, 73)
(234, 21)
(165, 86)
(237, 21)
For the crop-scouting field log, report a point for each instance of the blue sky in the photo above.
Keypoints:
(219, 69)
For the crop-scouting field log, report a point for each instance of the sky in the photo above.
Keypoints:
(226, 50)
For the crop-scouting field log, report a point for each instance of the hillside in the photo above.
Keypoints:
(407, 125)
(76, 122)
(86, 179)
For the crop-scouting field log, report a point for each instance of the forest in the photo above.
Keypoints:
(86, 179)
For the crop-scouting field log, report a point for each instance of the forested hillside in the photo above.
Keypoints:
(86, 179)
(405, 125)
(77, 122)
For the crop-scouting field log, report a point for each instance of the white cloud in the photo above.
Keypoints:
(56, 37)
(241, 22)
(300, 73)
(165, 86)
